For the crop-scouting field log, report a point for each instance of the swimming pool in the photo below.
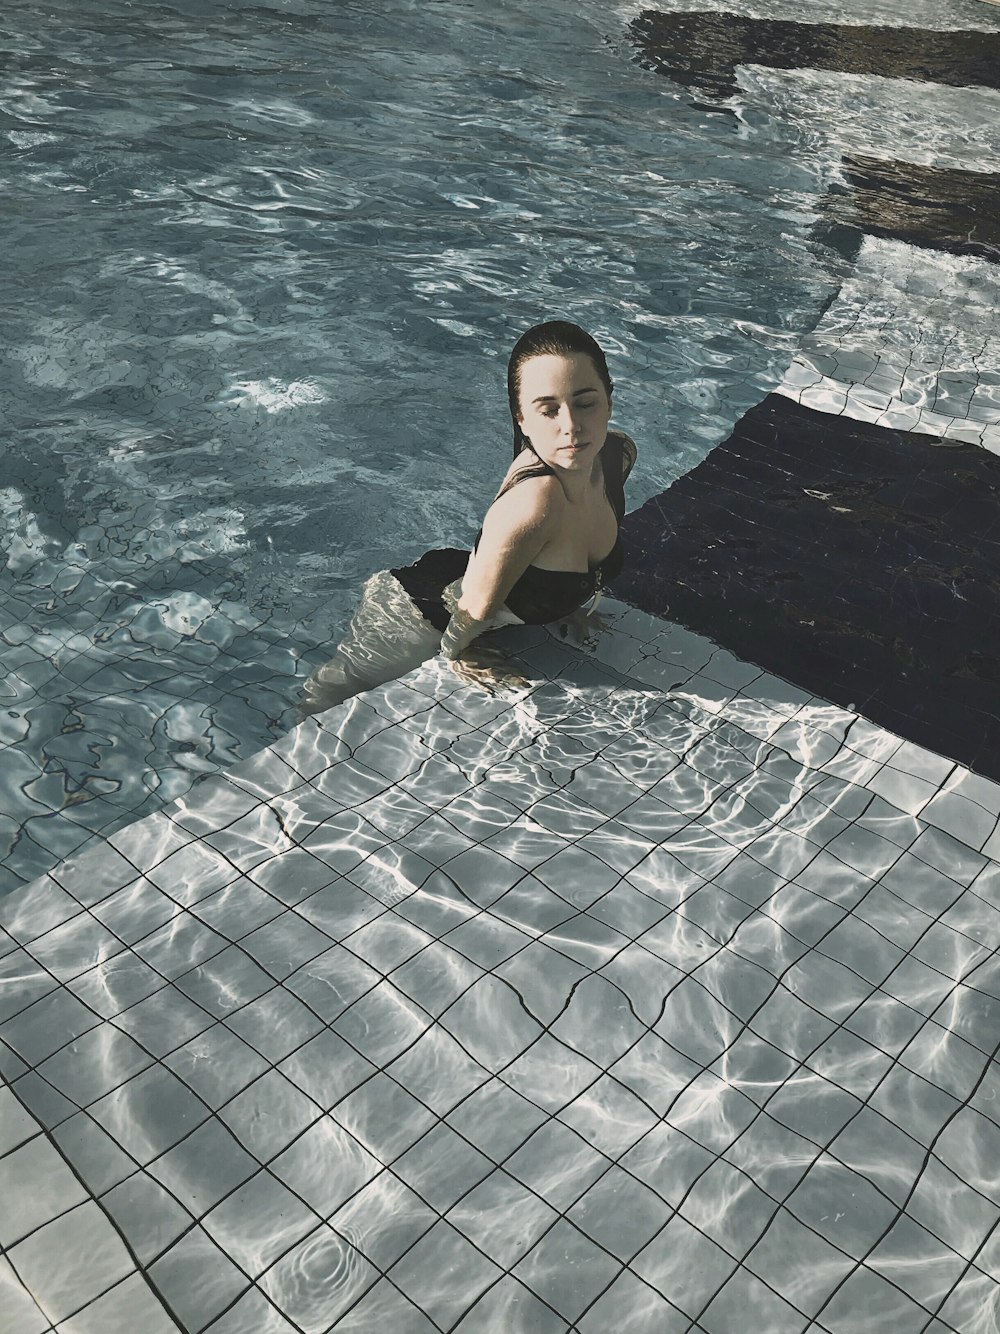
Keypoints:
(276, 363)
(660, 996)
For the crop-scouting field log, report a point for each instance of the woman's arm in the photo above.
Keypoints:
(515, 529)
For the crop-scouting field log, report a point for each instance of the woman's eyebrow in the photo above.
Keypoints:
(549, 398)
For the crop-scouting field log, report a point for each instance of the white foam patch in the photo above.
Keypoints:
(911, 344)
(274, 396)
(892, 119)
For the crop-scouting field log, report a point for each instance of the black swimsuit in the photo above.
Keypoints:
(539, 596)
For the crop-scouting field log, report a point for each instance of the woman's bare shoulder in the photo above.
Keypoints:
(523, 467)
(527, 485)
(533, 500)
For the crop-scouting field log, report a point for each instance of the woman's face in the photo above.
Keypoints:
(564, 410)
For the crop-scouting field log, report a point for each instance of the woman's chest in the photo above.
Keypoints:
(584, 536)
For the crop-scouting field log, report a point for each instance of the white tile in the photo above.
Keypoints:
(396, 700)
(311, 747)
(809, 745)
(991, 848)
(961, 818)
(872, 741)
(19, 1313)
(755, 716)
(150, 841)
(91, 1255)
(16, 1125)
(211, 804)
(891, 822)
(682, 648)
(729, 670)
(922, 763)
(655, 672)
(778, 694)
(352, 722)
(129, 1308)
(983, 791)
(619, 651)
(264, 775)
(706, 693)
(631, 621)
(50, 905)
(36, 1186)
(857, 769)
(908, 792)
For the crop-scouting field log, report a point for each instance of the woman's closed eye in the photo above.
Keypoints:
(552, 410)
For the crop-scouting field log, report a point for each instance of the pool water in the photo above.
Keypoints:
(655, 991)
(275, 364)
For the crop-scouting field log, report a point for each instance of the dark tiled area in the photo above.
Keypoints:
(702, 50)
(956, 211)
(862, 563)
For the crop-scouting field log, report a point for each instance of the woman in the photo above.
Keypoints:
(548, 544)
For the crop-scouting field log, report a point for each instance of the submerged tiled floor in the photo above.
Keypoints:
(910, 343)
(704, 50)
(661, 998)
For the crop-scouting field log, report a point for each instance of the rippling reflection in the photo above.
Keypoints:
(318, 1279)
(741, 1046)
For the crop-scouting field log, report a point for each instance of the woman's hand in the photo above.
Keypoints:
(584, 627)
(459, 633)
(488, 669)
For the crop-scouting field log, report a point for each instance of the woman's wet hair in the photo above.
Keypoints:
(558, 338)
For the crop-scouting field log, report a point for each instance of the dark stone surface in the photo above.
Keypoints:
(860, 563)
(952, 210)
(702, 50)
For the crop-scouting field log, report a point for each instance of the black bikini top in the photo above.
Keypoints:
(540, 596)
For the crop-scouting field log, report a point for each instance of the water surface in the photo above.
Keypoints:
(266, 267)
